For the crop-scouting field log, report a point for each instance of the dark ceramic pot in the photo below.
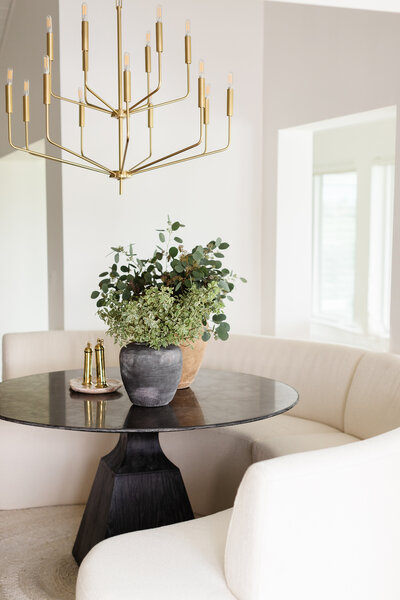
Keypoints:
(150, 376)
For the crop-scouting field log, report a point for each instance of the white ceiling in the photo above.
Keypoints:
(380, 5)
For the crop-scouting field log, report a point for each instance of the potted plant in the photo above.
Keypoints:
(163, 307)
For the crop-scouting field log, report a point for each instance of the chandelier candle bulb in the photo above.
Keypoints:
(188, 44)
(46, 81)
(159, 30)
(147, 54)
(84, 11)
(87, 365)
(25, 101)
(9, 98)
(229, 96)
(50, 37)
(127, 77)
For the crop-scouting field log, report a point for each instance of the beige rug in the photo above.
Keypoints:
(35, 553)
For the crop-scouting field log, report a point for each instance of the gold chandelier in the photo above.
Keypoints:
(125, 109)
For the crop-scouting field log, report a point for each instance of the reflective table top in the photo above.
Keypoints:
(215, 399)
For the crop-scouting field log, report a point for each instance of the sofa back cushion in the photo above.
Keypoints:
(373, 404)
(321, 373)
(43, 351)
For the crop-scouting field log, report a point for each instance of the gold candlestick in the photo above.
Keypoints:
(87, 367)
(100, 365)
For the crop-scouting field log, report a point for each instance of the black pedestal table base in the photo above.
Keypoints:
(136, 487)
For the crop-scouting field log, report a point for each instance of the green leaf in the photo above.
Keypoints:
(217, 264)
(116, 258)
(162, 237)
(121, 285)
(124, 269)
(218, 241)
(114, 249)
(104, 288)
(206, 336)
(197, 274)
(223, 326)
(100, 302)
(173, 251)
(230, 298)
(175, 226)
(159, 266)
(243, 279)
(223, 285)
(197, 256)
(219, 318)
(126, 295)
(178, 286)
(179, 240)
(219, 255)
(95, 294)
(103, 274)
(179, 268)
(223, 335)
(223, 246)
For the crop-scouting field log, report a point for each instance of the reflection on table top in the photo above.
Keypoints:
(215, 399)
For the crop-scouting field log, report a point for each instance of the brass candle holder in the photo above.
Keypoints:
(87, 365)
(100, 364)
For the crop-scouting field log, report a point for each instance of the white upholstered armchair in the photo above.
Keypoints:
(321, 525)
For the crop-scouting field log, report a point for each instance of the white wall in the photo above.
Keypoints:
(294, 233)
(23, 247)
(215, 196)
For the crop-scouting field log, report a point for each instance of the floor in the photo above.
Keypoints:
(35, 553)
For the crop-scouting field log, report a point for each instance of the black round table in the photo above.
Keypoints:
(136, 486)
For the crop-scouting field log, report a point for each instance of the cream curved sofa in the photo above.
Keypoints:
(319, 519)
(346, 394)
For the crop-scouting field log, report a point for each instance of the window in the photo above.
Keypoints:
(352, 245)
(334, 247)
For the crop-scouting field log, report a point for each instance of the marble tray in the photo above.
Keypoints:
(77, 386)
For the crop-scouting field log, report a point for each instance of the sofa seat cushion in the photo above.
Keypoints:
(176, 562)
(285, 434)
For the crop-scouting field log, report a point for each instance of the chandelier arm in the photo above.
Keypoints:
(142, 108)
(93, 162)
(175, 162)
(63, 98)
(88, 89)
(149, 95)
(178, 151)
(47, 156)
(88, 105)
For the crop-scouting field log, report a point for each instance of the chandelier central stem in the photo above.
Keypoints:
(120, 94)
